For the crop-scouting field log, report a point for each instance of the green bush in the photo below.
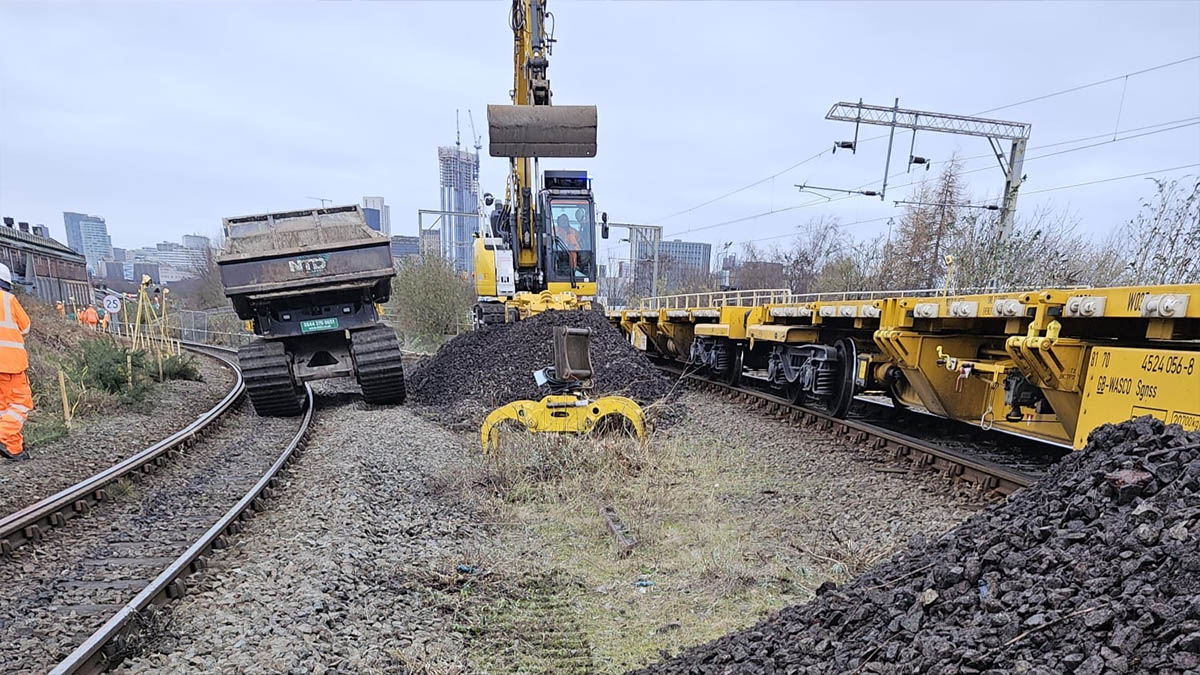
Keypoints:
(430, 300)
(104, 364)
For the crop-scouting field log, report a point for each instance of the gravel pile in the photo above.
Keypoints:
(482, 369)
(331, 578)
(96, 443)
(55, 593)
(1093, 570)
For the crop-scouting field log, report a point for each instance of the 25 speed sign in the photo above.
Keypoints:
(112, 304)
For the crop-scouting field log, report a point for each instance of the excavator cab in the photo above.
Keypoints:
(569, 239)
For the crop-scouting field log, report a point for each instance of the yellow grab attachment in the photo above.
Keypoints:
(541, 130)
(528, 304)
(563, 413)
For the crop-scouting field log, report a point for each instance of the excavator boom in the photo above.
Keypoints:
(539, 251)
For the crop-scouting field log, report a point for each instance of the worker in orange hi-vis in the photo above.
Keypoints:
(62, 311)
(90, 317)
(16, 399)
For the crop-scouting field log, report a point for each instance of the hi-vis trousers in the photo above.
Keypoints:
(16, 400)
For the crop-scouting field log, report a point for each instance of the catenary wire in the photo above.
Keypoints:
(910, 184)
(1042, 97)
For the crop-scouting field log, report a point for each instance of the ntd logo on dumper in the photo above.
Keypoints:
(312, 265)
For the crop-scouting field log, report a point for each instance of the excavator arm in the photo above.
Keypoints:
(531, 127)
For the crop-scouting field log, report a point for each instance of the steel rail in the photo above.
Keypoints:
(923, 454)
(100, 649)
(31, 522)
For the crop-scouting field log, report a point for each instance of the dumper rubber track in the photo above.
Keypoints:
(378, 364)
(268, 377)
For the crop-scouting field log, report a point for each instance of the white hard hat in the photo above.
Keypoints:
(5, 274)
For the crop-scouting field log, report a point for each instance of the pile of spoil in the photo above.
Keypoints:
(1095, 569)
(495, 366)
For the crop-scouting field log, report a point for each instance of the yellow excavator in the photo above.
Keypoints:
(539, 253)
(539, 250)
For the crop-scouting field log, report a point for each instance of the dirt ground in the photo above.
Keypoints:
(735, 515)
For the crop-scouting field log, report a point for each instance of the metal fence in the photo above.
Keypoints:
(214, 327)
(783, 296)
(748, 298)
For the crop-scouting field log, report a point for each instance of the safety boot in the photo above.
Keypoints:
(9, 455)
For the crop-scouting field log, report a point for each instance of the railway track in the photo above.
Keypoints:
(923, 454)
(76, 600)
(32, 522)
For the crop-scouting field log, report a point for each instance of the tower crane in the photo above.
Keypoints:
(474, 134)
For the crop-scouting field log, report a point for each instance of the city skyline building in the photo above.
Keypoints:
(197, 241)
(165, 262)
(431, 242)
(170, 253)
(404, 246)
(374, 218)
(383, 222)
(135, 270)
(88, 234)
(115, 269)
(679, 262)
(458, 177)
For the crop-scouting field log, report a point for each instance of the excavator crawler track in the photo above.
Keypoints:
(268, 377)
(378, 364)
(488, 314)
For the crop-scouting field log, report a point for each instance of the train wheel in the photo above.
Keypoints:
(839, 404)
(734, 376)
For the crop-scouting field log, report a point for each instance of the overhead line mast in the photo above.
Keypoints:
(895, 117)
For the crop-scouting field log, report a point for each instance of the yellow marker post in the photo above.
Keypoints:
(62, 389)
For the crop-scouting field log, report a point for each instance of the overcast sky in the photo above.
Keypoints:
(165, 117)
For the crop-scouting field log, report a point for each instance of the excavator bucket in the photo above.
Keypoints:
(541, 130)
(572, 353)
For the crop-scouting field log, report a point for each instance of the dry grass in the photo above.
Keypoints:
(735, 516)
(425, 659)
(706, 562)
(122, 488)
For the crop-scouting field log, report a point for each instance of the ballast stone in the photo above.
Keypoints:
(495, 366)
(1094, 569)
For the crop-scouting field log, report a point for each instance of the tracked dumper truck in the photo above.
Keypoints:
(310, 282)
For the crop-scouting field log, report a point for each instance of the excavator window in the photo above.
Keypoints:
(572, 250)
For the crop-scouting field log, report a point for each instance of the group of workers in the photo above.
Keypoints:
(89, 316)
